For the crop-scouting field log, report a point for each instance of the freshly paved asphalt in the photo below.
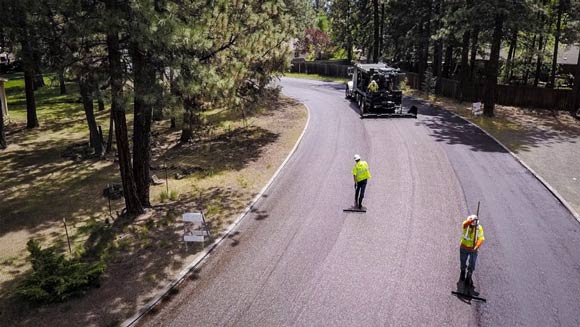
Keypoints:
(299, 260)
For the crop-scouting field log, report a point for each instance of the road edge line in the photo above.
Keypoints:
(518, 159)
(203, 255)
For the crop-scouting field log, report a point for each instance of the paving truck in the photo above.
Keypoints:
(382, 99)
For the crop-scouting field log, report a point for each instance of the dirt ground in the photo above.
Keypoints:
(219, 172)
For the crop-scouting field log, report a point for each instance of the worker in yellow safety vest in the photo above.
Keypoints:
(361, 174)
(471, 241)
(373, 86)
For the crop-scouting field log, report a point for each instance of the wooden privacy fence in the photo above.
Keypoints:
(507, 95)
(331, 70)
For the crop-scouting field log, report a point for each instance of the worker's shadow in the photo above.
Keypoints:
(468, 290)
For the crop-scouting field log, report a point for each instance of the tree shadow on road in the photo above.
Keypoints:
(450, 129)
(519, 133)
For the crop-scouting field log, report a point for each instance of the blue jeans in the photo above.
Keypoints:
(465, 255)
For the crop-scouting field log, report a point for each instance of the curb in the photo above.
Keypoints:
(203, 255)
(518, 159)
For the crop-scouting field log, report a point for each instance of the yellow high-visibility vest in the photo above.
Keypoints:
(373, 86)
(361, 171)
(468, 237)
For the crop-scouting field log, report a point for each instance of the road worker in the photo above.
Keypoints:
(471, 241)
(373, 86)
(361, 174)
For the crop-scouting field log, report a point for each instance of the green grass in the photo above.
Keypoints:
(318, 77)
(50, 105)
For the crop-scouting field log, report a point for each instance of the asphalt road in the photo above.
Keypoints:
(299, 260)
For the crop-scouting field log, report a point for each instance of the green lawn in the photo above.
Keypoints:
(318, 77)
(50, 105)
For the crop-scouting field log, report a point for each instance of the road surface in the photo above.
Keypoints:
(299, 260)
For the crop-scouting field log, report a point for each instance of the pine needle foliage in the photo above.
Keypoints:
(56, 278)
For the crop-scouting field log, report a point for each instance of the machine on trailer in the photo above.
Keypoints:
(385, 99)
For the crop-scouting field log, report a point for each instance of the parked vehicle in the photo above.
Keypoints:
(383, 98)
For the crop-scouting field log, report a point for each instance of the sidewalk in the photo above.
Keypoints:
(549, 144)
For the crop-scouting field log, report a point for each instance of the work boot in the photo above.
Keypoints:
(468, 280)
(462, 275)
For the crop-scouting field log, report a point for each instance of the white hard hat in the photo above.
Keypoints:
(356, 157)
(474, 219)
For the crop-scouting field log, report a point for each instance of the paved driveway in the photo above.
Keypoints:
(298, 260)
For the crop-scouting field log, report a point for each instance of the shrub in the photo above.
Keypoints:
(429, 81)
(55, 278)
(164, 196)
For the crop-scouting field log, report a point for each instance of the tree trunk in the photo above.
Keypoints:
(100, 101)
(438, 49)
(187, 130)
(540, 47)
(144, 78)
(539, 61)
(510, 58)
(382, 30)
(31, 118)
(85, 89)
(111, 131)
(425, 34)
(529, 60)
(421, 63)
(37, 61)
(173, 123)
(448, 62)
(552, 81)
(62, 83)
(492, 68)
(132, 203)
(376, 27)
(437, 67)
(28, 66)
(3, 144)
(2, 37)
(348, 33)
(465, 71)
(474, 46)
(576, 107)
